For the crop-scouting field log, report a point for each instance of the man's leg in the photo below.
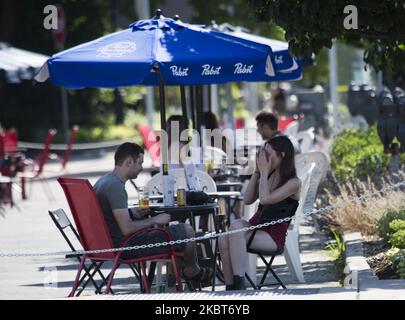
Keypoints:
(190, 254)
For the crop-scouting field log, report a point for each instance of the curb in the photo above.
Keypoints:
(368, 284)
(355, 260)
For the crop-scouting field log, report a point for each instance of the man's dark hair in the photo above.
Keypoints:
(126, 150)
(268, 118)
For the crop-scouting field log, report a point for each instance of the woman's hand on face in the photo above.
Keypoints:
(263, 161)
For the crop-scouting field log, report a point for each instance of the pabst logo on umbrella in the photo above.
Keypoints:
(241, 68)
(179, 72)
(116, 50)
(209, 70)
(278, 59)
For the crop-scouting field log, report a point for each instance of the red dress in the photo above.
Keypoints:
(277, 231)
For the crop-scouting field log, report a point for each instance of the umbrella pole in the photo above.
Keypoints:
(183, 103)
(199, 103)
(163, 135)
(200, 123)
(192, 106)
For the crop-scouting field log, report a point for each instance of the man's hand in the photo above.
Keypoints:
(141, 212)
(162, 219)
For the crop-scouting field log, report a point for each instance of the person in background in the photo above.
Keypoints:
(280, 106)
(211, 123)
(267, 127)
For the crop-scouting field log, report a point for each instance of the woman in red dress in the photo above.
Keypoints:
(276, 185)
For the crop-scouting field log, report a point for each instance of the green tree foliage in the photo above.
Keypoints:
(311, 25)
(235, 12)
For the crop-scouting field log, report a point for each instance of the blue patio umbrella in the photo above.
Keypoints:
(285, 63)
(161, 52)
(184, 54)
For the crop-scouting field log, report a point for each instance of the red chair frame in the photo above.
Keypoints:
(68, 151)
(94, 234)
(38, 166)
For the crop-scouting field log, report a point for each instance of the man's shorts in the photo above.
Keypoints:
(177, 232)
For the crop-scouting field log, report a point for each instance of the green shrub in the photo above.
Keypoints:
(398, 239)
(358, 154)
(384, 223)
(397, 225)
(398, 262)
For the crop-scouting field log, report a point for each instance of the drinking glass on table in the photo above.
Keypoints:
(143, 198)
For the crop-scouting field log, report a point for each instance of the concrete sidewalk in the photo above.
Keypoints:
(28, 228)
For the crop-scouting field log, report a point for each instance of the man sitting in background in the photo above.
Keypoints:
(267, 126)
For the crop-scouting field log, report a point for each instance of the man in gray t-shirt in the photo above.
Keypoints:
(112, 195)
(123, 222)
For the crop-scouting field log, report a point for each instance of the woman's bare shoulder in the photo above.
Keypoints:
(296, 184)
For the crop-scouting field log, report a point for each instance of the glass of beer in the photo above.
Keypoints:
(143, 198)
(181, 197)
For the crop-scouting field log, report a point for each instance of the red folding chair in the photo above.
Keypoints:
(10, 141)
(68, 151)
(151, 143)
(6, 191)
(94, 234)
(37, 167)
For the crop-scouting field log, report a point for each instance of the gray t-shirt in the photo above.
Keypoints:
(111, 194)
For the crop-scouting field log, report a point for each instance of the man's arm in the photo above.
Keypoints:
(128, 227)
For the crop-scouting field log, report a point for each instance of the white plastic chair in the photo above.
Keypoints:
(311, 169)
(306, 139)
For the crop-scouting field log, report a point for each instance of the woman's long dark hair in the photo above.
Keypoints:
(282, 144)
